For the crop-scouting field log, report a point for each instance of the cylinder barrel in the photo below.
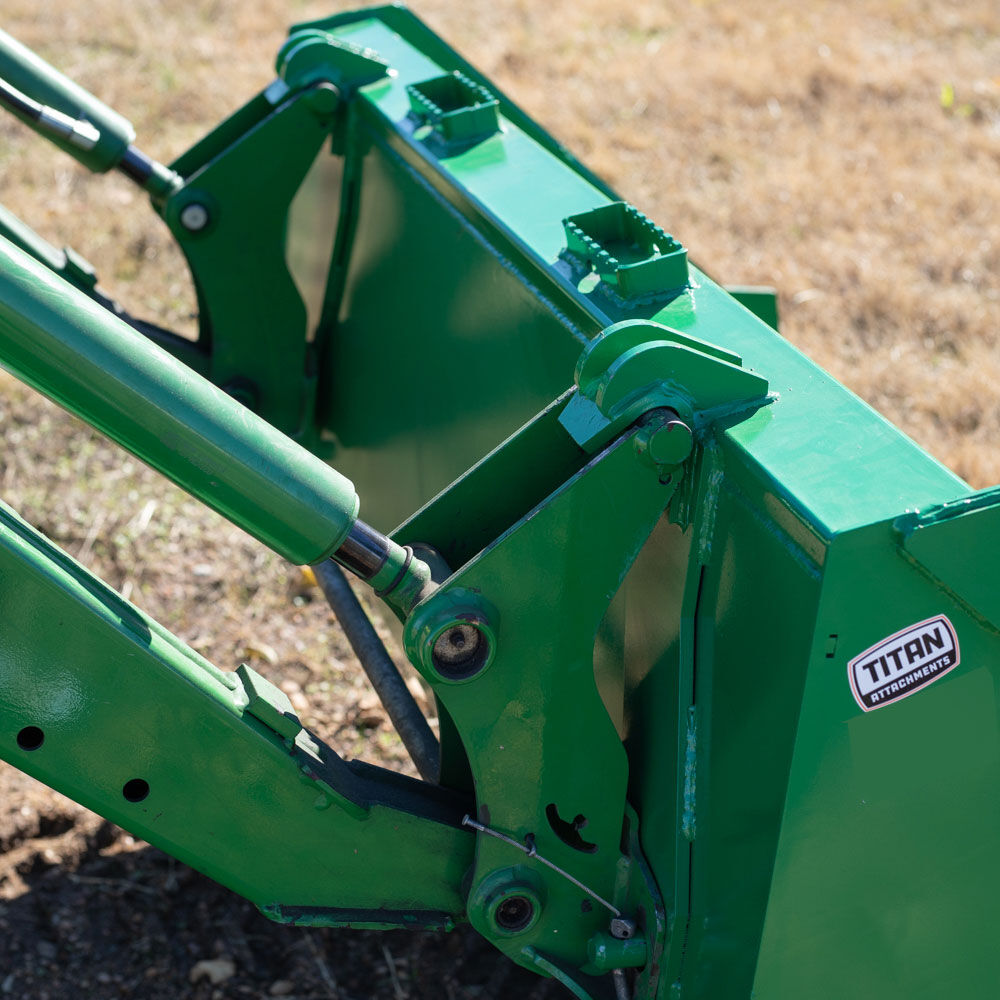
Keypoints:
(75, 352)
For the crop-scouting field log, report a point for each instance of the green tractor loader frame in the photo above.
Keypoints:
(714, 647)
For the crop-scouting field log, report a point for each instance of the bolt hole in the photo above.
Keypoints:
(30, 738)
(136, 790)
(514, 913)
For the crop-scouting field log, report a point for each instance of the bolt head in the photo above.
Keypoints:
(622, 928)
(194, 217)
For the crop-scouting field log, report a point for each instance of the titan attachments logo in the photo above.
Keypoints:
(903, 663)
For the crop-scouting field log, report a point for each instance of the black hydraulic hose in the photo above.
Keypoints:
(158, 180)
(49, 120)
(403, 711)
(17, 101)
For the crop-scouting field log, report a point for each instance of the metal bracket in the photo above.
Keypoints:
(638, 365)
(549, 766)
(253, 323)
(311, 55)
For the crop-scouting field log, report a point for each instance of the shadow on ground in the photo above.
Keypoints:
(99, 916)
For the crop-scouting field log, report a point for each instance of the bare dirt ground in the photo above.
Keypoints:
(849, 154)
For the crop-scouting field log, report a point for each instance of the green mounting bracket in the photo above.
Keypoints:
(634, 257)
(458, 109)
(637, 365)
(312, 56)
(253, 321)
(550, 770)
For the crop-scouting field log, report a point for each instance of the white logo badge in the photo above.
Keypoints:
(904, 663)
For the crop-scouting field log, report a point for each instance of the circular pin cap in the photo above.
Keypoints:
(665, 441)
(461, 650)
(507, 902)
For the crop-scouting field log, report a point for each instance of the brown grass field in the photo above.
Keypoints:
(848, 154)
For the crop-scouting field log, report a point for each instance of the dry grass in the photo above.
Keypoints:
(803, 144)
(800, 144)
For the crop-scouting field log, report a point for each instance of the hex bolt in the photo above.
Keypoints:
(194, 217)
(622, 928)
